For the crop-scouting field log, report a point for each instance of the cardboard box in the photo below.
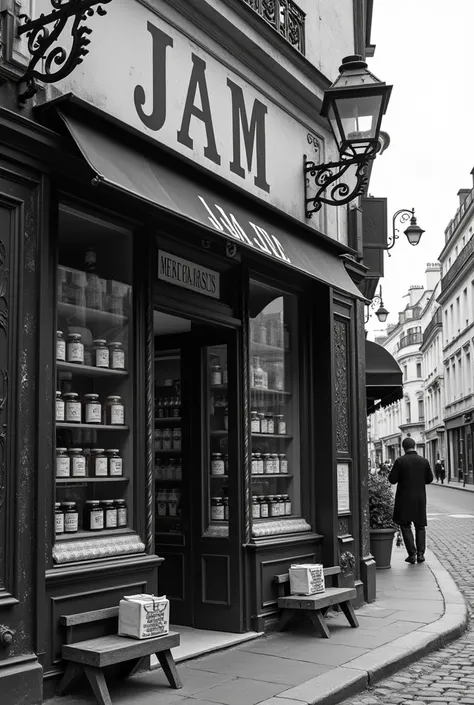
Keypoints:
(306, 579)
(144, 616)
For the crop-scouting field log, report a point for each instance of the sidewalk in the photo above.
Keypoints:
(455, 485)
(418, 610)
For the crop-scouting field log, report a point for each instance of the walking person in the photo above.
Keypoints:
(438, 470)
(411, 473)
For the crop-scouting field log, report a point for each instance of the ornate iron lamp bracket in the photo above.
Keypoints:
(41, 41)
(321, 182)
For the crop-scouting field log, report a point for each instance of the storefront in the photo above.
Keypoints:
(460, 465)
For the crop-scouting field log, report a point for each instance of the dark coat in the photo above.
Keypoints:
(412, 472)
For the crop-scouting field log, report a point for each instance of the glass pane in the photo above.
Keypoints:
(275, 456)
(94, 402)
(359, 118)
(217, 414)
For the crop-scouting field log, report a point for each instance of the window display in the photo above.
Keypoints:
(94, 399)
(274, 413)
(218, 440)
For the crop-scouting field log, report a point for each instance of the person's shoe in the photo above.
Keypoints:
(420, 558)
(411, 559)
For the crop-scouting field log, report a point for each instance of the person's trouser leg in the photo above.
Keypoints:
(420, 535)
(408, 539)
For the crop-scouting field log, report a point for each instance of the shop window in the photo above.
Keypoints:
(418, 369)
(94, 399)
(274, 398)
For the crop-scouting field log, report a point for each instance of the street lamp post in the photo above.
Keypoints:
(413, 232)
(381, 312)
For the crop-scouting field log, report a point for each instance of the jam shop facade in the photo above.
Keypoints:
(181, 350)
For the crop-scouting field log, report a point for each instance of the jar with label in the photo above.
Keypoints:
(72, 407)
(254, 422)
(171, 470)
(263, 423)
(116, 356)
(60, 407)
(75, 349)
(259, 463)
(270, 423)
(167, 439)
(283, 463)
(271, 504)
(217, 464)
(267, 464)
(173, 502)
(217, 509)
(114, 462)
(115, 412)
(100, 353)
(60, 346)
(226, 419)
(275, 463)
(216, 376)
(254, 464)
(71, 517)
(280, 505)
(255, 507)
(92, 408)
(93, 515)
(264, 507)
(98, 463)
(226, 508)
(78, 462)
(122, 513)
(287, 502)
(176, 439)
(179, 469)
(110, 514)
(280, 424)
(158, 439)
(58, 518)
(63, 463)
(258, 374)
(162, 503)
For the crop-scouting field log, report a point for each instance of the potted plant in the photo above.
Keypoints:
(382, 527)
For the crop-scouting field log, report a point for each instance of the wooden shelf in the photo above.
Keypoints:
(280, 518)
(272, 435)
(87, 480)
(91, 315)
(168, 452)
(220, 432)
(79, 535)
(169, 419)
(270, 392)
(263, 476)
(88, 370)
(91, 426)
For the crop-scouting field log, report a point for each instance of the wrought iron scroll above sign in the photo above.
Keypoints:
(49, 61)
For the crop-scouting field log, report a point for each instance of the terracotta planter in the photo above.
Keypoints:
(381, 543)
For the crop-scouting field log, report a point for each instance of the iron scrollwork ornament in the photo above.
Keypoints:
(50, 62)
(323, 183)
(347, 561)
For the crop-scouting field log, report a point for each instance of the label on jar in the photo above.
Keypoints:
(96, 519)
(115, 467)
(283, 465)
(281, 427)
(287, 507)
(99, 467)
(59, 522)
(63, 466)
(118, 359)
(117, 415)
(177, 439)
(102, 357)
(122, 516)
(255, 425)
(71, 521)
(73, 411)
(264, 510)
(216, 378)
(217, 467)
(61, 350)
(75, 352)
(93, 412)
(270, 426)
(59, 410)
(78, 466)
(111, 518)
(217, 512)
(256, 510)
(263, 426)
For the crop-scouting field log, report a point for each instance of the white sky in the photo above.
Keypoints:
(424, 48)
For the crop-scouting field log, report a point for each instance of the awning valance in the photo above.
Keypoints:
(383, 377)
(131, 171)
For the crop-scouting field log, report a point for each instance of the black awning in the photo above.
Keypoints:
(131, 171)
(383, 377)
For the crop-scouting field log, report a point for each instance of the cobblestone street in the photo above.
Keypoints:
(446, 676)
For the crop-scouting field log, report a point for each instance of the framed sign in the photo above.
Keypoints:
(343, 489)
(189, 275)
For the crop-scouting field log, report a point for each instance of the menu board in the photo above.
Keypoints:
(343, 497)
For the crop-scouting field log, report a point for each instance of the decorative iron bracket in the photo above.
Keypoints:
(41, 40)
(321, 186)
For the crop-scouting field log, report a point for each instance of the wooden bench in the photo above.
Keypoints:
(92, 655)
(315, 606)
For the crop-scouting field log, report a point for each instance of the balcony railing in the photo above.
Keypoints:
(458, 263)
(410, 339)
(435, 321)
(285, 17)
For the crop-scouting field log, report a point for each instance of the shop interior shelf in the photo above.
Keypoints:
(272, 435)
(168, 419)
(264, 476)
(286, 516)
(91, 426)
(79, 535)
(278, 392)
(82, 480)
(168, 452)
(218, 387)
(91, 315)
(89, 371)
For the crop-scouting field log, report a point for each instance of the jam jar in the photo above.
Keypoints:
(110, 514)
(115, 464)
(116, 356)
(254, 465)
(92, 408)
(78, 462)
(58, 518)
(275, 463)
(73, 409)
(263, 423)
(167, 439)
(263, 507)
(254, 422)
(98, 463)
(59, 407)
(256, 507)
(270, 423)
(71, 517)
(176, 439)
(287, 502)
(259, 463)
(280, 424)
(115, 412)
(100, 353)
(93, 515)
(122, 513)
(60, 346)
(216, 376)
(63, 463)
(283, 463)
(75, 349)
(217, 464)
(174, 497)
(267, 464)
(217, 509)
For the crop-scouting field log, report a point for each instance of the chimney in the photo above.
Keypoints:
(415, 292)
(433, 275)
(463, 193)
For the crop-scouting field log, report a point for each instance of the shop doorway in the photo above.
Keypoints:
(197, 453)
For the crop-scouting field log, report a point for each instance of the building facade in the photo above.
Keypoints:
(174, 328)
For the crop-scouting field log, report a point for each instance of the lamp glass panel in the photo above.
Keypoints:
(335, 126)
(359, 116)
